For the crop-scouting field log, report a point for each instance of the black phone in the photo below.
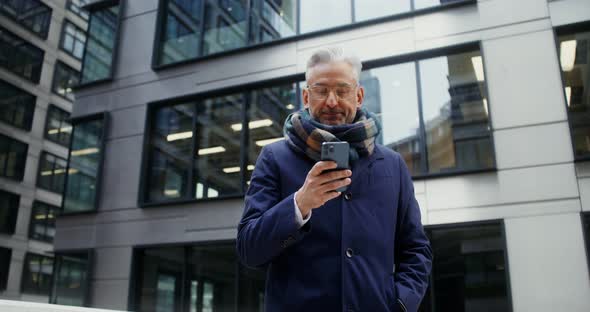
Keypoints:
(338, 152)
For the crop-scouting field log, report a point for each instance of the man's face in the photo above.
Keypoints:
(333, 95)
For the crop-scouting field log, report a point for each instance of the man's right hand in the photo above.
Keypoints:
(319, 188)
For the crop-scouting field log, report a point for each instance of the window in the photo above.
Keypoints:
(16, 106)
(5, 256)
(84, 164)
(71, 279)
(37, 273)
(64, 79)
(191, 29)
(20, 57)
(574, 56)
(214, 151)
(76, 7)
(200, 278)
(73, 39)
(52, 171)
(42, 226)
(34, 15)
(57, 127)
(8, 212)
(13, 156)
(472, 275)
(204, 148)
(586, 230)
(103, 32)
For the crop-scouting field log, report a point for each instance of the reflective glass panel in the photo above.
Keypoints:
(58, 128)
(42, 226)
(32, 14)
(172, 145)
(9, 203)
(269, 107)
(100, 46)
(455, 113)
(574, 57)
(20, 57)
(181, 31)
(13, 156)
(64, 79)
(318, 15)
(76, 7)
(52, 171)
(71, 279)
(225, 25)
(84, 163)
(37, 274)
(16, 106)
(5, 256)
(272, 19)
(391, 93)
(219, 125)
(73, 40)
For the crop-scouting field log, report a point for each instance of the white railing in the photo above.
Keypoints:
(23, 306)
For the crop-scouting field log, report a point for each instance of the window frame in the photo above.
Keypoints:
(91, 8)
(29, 120)
(13, 212)
(70, 4)
(41, 158)
(62, 38)
(35, 77)
(46, 128)
(586, 235)
(25, 270)
(89, 275)
(146, 161)
(54, 81)
(43, 35)
(457, 225)
(564, 30)
(32, 223)
(21, 174)
(5, 274)
(162, 9)
(75, 121)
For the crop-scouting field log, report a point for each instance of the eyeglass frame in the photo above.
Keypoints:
(333, 90)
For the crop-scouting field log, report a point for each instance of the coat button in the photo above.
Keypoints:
(349, 252)
(348, 196)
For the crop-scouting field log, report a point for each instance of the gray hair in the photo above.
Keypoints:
(334, 54)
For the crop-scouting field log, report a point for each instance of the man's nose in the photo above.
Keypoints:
(332, 100)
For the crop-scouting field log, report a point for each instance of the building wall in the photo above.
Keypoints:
(537, 188)
(20, 242)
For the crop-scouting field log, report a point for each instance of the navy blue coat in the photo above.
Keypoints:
(362, 251)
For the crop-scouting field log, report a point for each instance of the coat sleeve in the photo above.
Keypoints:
(268, 225)
(413, 253)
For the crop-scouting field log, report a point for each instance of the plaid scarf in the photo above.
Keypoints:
(306, 135)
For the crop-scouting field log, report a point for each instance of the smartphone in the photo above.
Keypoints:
(338, 152)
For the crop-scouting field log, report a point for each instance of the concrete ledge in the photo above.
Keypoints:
(22, 306)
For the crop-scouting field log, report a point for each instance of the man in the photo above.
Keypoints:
(360, 250)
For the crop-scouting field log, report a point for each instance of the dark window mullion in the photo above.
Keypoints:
(244, 136)
(192, 185)
(352, 12)
(423, 145)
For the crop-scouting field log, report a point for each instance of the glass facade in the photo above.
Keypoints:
(71, 279)
(64, 79)
(101, 44)
(73, 39)
(469, 272)
(8, 212)
(5, 256)
(574, 57)
(210, 164)
(16, 106)
(57, 126)
(42, 225)
(192, 29)
(20, 57)
(84, 166)
(76, 7)
(196, 279)
(13, 157)
(433, 111)
(586, 230)
(52, 171)
(34, 15)
(37, 274)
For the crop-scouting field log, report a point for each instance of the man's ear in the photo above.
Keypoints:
(360, 96)
(305, 93)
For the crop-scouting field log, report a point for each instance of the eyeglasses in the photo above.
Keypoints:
(321, 93)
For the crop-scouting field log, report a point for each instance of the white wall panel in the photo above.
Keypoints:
(565, 12)
(548, 268)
